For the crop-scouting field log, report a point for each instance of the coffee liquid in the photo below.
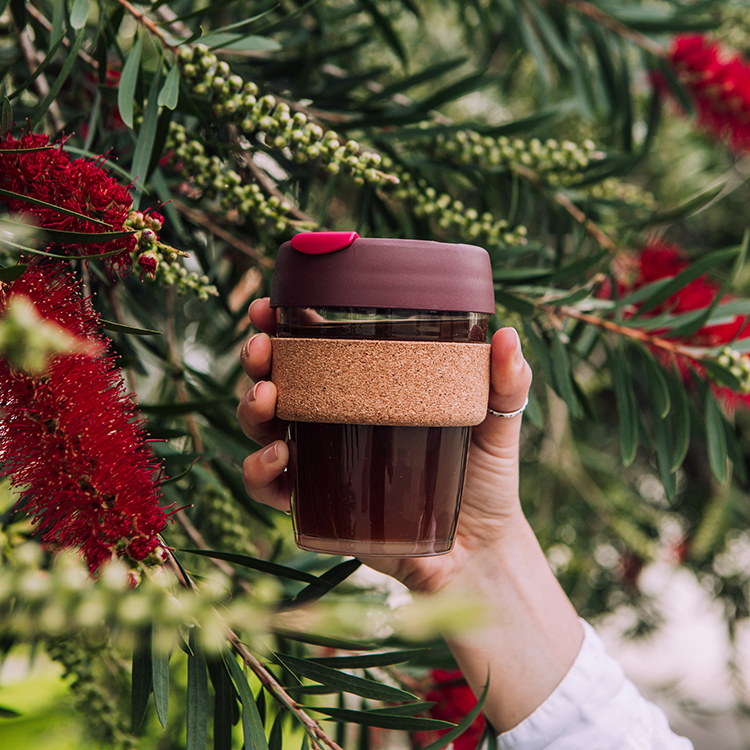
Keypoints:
(377, 490)
(367, 485)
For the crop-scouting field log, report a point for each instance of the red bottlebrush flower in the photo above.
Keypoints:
(48, 174)
(662, 260)
(453, 700)
(71, 440)
(720, 85)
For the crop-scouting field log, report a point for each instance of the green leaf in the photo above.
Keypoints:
(255, 736)
(142, 680)
(224, 707)
(82, 238)
(681, 420)
(657, 381)
(626, 404)
(406, 82)
(513, 303)
(275, 737)
(170, 91)
(6, 117)
(383, 720)
(128, 81)
(241, 42)
(391, 36)
(315, 639)
(41, 109)
(44, 204)
(342, 681)
(551, 36)
(463, 725)
(683, 96)
(365, 661)
(145, 143)
(8, 713)
(111, 325)
(563, 375)
(79, 13)
(716, 439)
(405, 709)
(177, 477)
(326, 582)
(184, 408)
(11, 273)
(697, 268)
(160, 677)
(664, 452)
(197, 697)
(264, 566)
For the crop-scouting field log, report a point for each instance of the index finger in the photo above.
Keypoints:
(262, 315)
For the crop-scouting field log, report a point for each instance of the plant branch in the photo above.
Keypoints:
(266, 678)
(147, 23)
(635, 334)
(201, 218)
(618, 27)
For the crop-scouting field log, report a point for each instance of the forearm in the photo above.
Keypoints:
(532, 634)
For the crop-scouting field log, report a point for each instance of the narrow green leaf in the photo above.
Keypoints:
(406, 82)
(44, 204)
(160, 677)
(81, 238)
(256, 564)
(391, 36)
(79, 13)
(11, 273)
(657, 381)
(315, 639)
(128, 81)
(365, 661)
(241, 42)
(326, 582)
(6, 116)
(626, 405)
(342, 681)
(716, 439)
(697, 268)
(405, 709)
(680, 93)
(276, 734)
(539, 349)
(197, 697)
(8, 713)
(664, 452)
(463, 725)
(563, 375)
(170, 91)
(551, 36)
(681, 421)
(142, 680)
(177, 477)
(147, 134)
(513, 303)
(111, 325)
(41, 109)
(224, 707)
(255, 736)
(66, 256)
(383, 720)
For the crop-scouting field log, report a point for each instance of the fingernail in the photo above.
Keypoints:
(246, 347)
(270, 454)
(253, 393)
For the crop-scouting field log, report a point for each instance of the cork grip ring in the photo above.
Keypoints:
(398, 383)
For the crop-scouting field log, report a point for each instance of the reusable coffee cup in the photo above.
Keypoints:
(382, 367)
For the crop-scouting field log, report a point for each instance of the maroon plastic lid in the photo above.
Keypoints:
(370, 272)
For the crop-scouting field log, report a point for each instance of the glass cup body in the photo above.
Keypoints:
(375, 490)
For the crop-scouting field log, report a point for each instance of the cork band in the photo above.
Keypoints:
(354, 381)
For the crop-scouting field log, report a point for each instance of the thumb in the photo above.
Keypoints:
(510, 380)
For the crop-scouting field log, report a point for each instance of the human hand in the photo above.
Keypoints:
(490, 509)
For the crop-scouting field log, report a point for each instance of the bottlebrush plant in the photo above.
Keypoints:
(152, 160)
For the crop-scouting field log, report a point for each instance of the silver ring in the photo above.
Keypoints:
(509, 414)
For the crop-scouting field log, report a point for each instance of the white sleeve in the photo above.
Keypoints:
(595, 706)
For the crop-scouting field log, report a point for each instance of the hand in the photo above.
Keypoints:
(490, 510)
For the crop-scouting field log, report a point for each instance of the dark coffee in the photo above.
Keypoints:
(366, 485)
